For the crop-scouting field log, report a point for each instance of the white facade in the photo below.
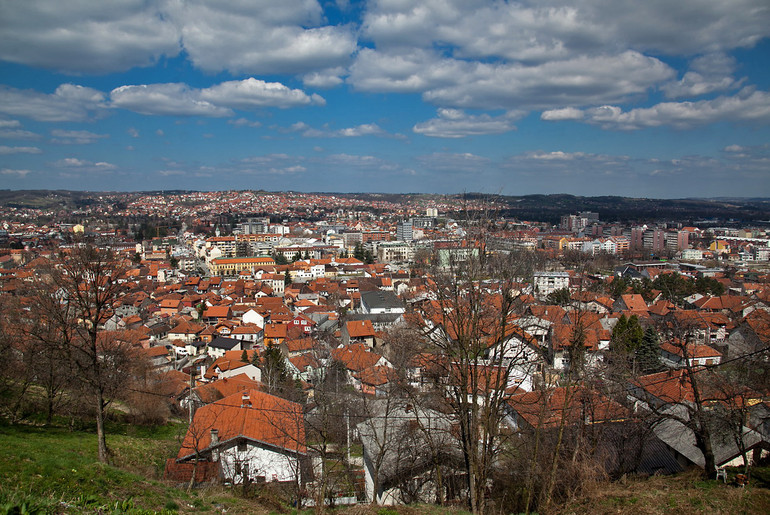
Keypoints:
(548, 282)
(258, 461)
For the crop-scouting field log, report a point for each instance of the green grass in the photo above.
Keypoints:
(53, 470)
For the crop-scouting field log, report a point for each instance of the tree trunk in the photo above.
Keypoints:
(100, 435)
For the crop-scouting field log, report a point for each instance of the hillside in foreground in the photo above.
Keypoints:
(54, 470)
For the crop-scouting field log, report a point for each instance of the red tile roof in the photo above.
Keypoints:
(252, 414)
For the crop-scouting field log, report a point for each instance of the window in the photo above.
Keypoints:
(242, 447)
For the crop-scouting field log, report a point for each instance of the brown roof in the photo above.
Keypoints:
(360, 328)
(254, 415)
(547, 408)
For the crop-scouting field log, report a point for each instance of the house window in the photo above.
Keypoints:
(242, 447)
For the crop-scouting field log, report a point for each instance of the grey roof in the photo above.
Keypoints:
(220, 342)
(377, 318)
(402, 434)
(682, 439)
(381, 299)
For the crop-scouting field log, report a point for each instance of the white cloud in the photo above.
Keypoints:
(81, 36)
(325, 78)
(454, 123)
(176, 99)
(545, 31)
(748, 106)
(451, 82)
(262, 37)
(172, 99)
(84, 165)
(11, 171)
(68, 103)
(4, 124)
(254, 93)
(18, 134)
(566, 113)
(132, 132)
(76, 137)
(367, 129)
(707, 74)
(4, 150)
(243, 122)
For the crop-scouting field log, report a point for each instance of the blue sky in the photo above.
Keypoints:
(592, 97)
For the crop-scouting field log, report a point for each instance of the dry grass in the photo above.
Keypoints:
(683, 494)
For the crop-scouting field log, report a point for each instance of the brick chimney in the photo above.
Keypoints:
(213, 445)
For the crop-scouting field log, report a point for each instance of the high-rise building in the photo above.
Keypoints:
(404, 231)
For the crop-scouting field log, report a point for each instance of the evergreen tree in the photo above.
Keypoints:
(560, 297)
(358, 252)
(648, 353)
(274, 372)
(627, 335)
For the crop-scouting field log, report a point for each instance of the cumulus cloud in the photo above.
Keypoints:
(539, 32)
(565, 113)
(74, 163)
(707, 74)
(76, 137)
(254, 93)
(367, 129)
(583, 80)
(18, 134)
(4, 150)
(748, 106)
(176, 99)
(324, 78)
(243, 122)
(79, 36)
(454, 123)
(11, 171)
(68, 103)
(261, 36)
(132, 132)
(172, 99)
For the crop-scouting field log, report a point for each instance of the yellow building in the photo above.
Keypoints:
(234, 266)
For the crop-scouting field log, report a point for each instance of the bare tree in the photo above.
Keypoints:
(76, 294)
(477, 292)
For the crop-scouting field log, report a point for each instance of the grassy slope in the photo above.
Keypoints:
(56, 470)
(682, 495)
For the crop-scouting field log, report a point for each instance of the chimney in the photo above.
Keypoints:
(214, 444)
(245, 401)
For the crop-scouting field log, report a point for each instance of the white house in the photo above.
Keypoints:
(253, 436)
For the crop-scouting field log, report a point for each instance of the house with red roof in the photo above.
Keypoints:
(358, 331)
(677, 354)
(252, 436)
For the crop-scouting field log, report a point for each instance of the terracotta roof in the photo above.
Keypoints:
(692, 350)
(356, 357)
(360, 328)
(216, 390)
(579, 404)
(253, 415)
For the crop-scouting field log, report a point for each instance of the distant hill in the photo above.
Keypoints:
(543, 208)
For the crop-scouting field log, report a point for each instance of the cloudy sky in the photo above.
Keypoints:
(648, 98)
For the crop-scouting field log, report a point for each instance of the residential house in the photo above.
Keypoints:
(358, 331)
(252, 435)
